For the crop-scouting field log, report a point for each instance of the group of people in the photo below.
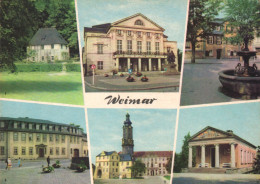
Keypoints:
(8, 162)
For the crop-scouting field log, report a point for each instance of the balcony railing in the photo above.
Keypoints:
(140, 53)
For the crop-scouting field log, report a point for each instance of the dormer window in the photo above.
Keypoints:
(139, 22)
(119, 32)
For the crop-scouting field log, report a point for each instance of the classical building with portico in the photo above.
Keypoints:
(135, 42)
(29, 138)
(220, 149)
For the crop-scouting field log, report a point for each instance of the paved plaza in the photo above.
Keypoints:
(31, 173)
(199, 178)
(201, 85)
(156, 83)
(146, 180)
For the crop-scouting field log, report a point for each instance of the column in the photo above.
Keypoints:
(233, 156)
(117, 63)
(203, 156)
(150, 64)
(190, 157)
(217, 155)
(128, 63)
(139, 65)
(159, 64)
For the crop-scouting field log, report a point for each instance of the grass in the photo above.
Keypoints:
(52, 87)
(167, 177)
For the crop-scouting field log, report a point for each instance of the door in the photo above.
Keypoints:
(41, 152)
(76, 153)
(212, 157)
(99, 173)
(218, 53)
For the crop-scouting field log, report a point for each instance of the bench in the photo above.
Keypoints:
(226, 165)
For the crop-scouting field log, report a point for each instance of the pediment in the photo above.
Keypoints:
(209, 133)
(131, 22)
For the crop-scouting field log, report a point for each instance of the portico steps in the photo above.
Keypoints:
(207, 170)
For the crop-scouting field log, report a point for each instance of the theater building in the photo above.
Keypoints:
(220, 149)
(135, 42)
(118, 165)
(34, 138)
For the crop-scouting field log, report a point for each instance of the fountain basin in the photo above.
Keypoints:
(245, 86)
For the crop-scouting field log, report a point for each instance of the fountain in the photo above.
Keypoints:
(243, 80)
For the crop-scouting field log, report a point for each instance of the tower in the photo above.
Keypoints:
(127, 140)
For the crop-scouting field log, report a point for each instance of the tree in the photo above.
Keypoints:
(179, 53)
(244, 16)
(18, 23)
(138, 168)
(171, 57)
(181, 159)
(256, 164)
(200, 21)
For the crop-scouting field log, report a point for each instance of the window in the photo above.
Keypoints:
(15, 150)
(119, 32)
(70, 139)
(44, 138)
(100, 65)
(15, 125)
(63, 138)
(210, 40)
(2, 124)
(15, 136)
(129, 33)
(129, 46)
(42, 47)
(139, 34)
(219, 41)
(30, 126)
(61, 46)
(38, 137)
(31, 151)
(2, 150)
(157, 35)
(23, 151)
(100, 48)
(42, 58)
(139, 22)
(51, 151)
(33, 58)
(77, 140)
(119, 46)
(148, 34)
(157, 47)
(57, 150)
(52, 46)
(2, 137)
(148, 47)
(139, 46)
(63, 151)
(52, 58)
(74, 139)
(23, 137)
(51, 138)
(57, 137)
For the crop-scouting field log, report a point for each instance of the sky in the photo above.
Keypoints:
(243, 119)
(153, 129)
(57, 114)
(169, 14)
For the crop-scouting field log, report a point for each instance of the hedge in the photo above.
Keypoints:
(36, 67)
(73, 67)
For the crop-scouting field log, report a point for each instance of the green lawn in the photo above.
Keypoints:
(61, 87)
(168, 177)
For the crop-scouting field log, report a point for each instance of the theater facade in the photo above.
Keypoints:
(135, 42)
(34, 138)
(220, 149)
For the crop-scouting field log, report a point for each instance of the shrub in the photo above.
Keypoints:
(39, 67)
(73, 67)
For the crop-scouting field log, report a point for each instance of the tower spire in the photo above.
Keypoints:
(127, 140)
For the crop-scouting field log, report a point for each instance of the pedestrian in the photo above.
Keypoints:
(48, 160)
(6, 161)
(9, 161)
(19, 162)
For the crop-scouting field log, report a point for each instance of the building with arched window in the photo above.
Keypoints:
(135, 42)
(34, 138)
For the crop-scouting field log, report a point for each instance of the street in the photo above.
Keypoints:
(146, 180)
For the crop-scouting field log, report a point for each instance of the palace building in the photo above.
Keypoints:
(34, 138)
(47, 45)
(118, 164)
(220, 149)
(135, 42)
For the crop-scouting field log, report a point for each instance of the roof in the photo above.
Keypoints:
(228, 133)
(135, 15)
(157, 153)
(47, 36)
(31, 120)
(218, 32)
(125, 157)
(107, 153)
